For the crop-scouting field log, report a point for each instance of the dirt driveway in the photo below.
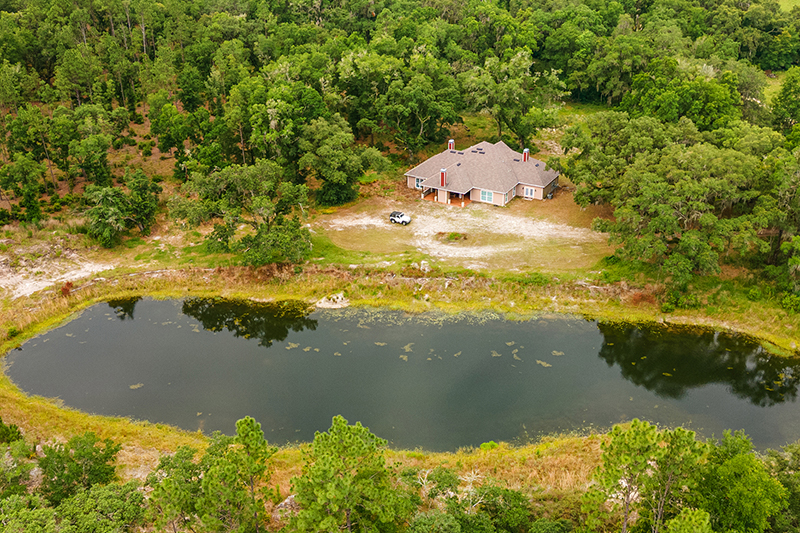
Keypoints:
(526, 235)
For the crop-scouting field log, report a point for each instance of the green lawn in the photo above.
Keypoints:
(789, 4)
(774, 84)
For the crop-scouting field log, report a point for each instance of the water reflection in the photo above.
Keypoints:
(669, 364)
(266, 321)
(124, 307)
(419, 381)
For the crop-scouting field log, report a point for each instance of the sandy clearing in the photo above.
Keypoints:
(495, 234)
(27, 282)
(429, 220)
(25, 270)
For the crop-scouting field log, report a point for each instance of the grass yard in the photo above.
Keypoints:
(774, 84)
(787, 5)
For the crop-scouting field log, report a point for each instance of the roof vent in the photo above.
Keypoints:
(515, 159)
(460, 153)
(537, 164)
(452, 151)
(458, 164)
(474, 151)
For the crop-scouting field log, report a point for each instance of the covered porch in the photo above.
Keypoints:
(450, 198)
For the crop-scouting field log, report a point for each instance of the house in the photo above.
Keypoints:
(485, 172)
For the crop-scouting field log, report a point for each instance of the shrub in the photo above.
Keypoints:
(791, 302)
(678, 300)
(146, 147)
(434, 522)
(9, 433)
(491, 445)
(546, 526)
(688, 301)
(754, 294)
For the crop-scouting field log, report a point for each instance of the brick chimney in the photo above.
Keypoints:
(451, 144)
(443, 177)
(526, 153)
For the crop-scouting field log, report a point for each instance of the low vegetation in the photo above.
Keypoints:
(636, 477)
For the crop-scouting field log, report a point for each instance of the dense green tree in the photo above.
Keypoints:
(111, 210)
(365, 75)
(646, 473)
(170, 127)
(142, 201)
(176, 487)
(329, 155)
(666, 93)
(784, 465)
(23, 174)
(63, 131)
(515, 98)
(786, 106)
(690, 521)
(107, 213)
(91, 157)
(224, 491)
(422, 105)
(736, 488)
(255, 195)
(76, 73)
(345, 483)
(83, 462)
(679, 202)
(232, 488)
(110, 508)
(14, 467)
(190, 88)
(26, 514)
(616, 61)
(434, 522)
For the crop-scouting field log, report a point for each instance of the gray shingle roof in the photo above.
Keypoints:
(492, 167)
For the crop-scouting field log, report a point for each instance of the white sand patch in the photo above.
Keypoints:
(26, 282)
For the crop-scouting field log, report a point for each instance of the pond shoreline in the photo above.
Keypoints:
(375, 288)
(202, 363)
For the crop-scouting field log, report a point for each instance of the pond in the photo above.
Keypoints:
(431, 381)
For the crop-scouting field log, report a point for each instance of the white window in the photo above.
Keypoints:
(486, 196)
(505, 198)
(529, 192)
(418, 183)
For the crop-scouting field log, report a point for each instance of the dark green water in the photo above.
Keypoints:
(419, 381)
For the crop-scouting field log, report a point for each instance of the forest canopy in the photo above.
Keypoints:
(307, 97)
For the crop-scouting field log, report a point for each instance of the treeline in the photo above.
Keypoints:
(282, 91)
(649, 480)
